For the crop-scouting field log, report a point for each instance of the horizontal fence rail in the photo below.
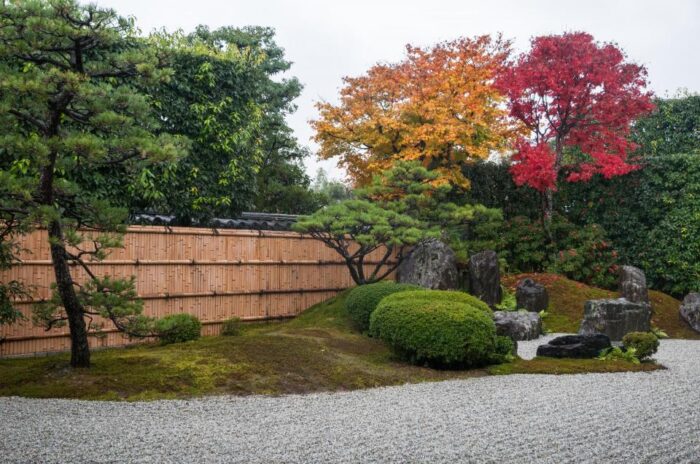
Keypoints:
(212, 274)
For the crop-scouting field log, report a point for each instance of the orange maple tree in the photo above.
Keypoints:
(438, 106)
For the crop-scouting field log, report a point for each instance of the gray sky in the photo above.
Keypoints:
(329, 39)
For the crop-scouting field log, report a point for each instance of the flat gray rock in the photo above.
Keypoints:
(518, 325)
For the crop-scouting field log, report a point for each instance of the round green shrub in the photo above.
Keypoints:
(178, 328)
(231, 326)
(364, 299)
(449, 296)
(645, 344)
(438, 333)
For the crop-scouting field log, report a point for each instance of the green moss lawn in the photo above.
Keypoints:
(317, 351)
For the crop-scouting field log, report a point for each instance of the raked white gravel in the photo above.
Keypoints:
(593, 418)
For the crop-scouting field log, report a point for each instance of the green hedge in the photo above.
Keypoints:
(448, 296)
(178, 328)
(438, 333)
(364, 299)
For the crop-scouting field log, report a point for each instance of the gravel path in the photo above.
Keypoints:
(601, 418)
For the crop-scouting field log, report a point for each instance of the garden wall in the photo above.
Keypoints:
(213, 274)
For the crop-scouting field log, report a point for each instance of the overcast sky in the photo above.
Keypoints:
(329, 39)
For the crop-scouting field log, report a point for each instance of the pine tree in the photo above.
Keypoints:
(68, 103)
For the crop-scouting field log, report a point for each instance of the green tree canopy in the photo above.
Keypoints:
(405, 205)
(227, 96)
(673, 127)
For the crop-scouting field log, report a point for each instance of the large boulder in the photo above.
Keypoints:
(690, 310)
(531, 296)
(518, 325)
(633, 285)
(575, 346)
(431, 264)
(485, 277)
(615, 318)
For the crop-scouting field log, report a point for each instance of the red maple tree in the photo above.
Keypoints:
(578, 100)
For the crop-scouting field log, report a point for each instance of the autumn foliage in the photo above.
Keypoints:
(438, 106)
(578, 99)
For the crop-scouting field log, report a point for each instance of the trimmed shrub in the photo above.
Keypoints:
(439, 333)
(364, 299)
(231, 326)
(178, 328)
(505, 350)
(448, 296)
(645, 344)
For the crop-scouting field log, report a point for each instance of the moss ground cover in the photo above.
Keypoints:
(318, 351)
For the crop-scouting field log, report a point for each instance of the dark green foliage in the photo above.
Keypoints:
(582, 253)
(178, 328)
(645, 344)
(231, 326)
(363, 300)
(448, 296)
(491, 184)
(227, 95)
(673, 127)
(504, 351)
(12, 290)
(437, 333)
(482, 231)
(651, 217)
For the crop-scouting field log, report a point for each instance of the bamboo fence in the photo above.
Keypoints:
(212, 274)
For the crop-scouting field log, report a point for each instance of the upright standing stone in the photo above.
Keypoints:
(431, 264)
(633, 284)
(615, 318)
(690, 310)
(531, 296)
(485, 277)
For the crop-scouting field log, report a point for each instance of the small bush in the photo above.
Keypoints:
(448, 296)
(505, 350)
(364, 299)
(645, 344)
(439, 333)
(178, 328)
(231, 326)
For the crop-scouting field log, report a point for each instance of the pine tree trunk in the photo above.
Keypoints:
(80, 349)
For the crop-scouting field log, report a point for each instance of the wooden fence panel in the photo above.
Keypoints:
(213, 274)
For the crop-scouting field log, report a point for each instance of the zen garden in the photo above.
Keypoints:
(498, 262)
